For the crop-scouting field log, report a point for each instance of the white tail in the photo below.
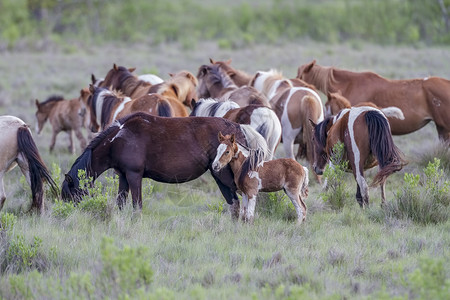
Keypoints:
(393, 112)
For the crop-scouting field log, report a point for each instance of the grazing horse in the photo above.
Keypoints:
(252, 175)
(239, 77)
(294, 106)
(181, 86)
(123, 79)
(106, 106)
(367, 139)
(63, 115)
(213, 82)
(171, 150)
(261, 118)
(421, 100)
(336, 102)
(17, 147)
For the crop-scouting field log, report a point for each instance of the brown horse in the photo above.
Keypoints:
(123, 79)
(336, 102)
(181, 86)
(141, 145)
(17, 147)
(259, 117)
(63, 115)
(367, 140)
(421, 100)
(239, 77)
(106, 106)
(215, 83)
(294, 106)
(252, 175)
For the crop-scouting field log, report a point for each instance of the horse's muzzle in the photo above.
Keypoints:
(318, 171)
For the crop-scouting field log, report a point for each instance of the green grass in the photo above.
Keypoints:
(184, 239)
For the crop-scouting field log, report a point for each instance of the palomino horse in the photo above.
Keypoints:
(17, 147)
(63, 115)
(181, 86)
(215, 83)
(121, 78)
(106, 106)
(252, 175)
(142, 145)
(261, 118)
(367, 140)
(336, 102)
(421, 100)
(294, 106)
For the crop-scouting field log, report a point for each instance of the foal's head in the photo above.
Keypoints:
(335, 103)
(319, 144)
(225, 152)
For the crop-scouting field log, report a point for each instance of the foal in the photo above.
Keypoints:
(253, 175)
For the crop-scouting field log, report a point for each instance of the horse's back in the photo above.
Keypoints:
(9, 126)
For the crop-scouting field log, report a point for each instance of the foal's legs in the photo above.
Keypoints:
(71, 145)
(250, 213)
(53, 141)
(81, 138)
(300, 206)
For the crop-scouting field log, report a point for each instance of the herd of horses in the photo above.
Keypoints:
(229, 122)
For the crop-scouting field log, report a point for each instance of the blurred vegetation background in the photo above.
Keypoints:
(40, 24)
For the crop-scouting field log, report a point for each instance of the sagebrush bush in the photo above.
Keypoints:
(275, 205)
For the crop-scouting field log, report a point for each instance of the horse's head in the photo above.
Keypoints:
(225, 152)
(304, 71)
(319, 144)
(41, 117)
(70, 190)
(335, 103)
(116, 75)
(91, 105)
(185, 86)
(202, 76)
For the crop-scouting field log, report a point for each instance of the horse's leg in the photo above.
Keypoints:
(229, 195)
(250, 214)
(122, 193)
(383, 193)
(298, 203)
(71, 146)
(81, 138)
(288, 145)
(53, 141)
(444, 134)
(2, 191)
(135, 183)
(243, 210)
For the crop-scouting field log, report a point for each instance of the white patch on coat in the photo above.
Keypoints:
(220, 151)
(255, 174)
(150, 78)
(121, 107)
(99, 104)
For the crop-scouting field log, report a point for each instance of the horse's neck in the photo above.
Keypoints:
(236, 163)
(322, 77)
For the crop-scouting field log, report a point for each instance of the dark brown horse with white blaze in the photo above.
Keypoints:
(171, 150)
(17, 147)
(421, 100)
(253, 175)
(367, 140)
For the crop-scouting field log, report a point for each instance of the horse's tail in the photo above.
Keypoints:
(304, 188)
(266, 123)
(390, 158)
(256, 141)
(164, 108)
(37, 170)
(393, 112)
(313, 112)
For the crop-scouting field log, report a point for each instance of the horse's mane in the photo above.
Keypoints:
(208, 107)
(255, 140)
(182, 80)
(52, 99)
(274, 76)
(320, 132)
(221, 76)
(251, 163)
(323, 77)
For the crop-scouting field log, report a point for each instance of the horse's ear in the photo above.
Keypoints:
(69, 179)
(310, 65)
(221, 137)
(115, 67)
(92, 88)
(212, 61)
(131, 70)
(228, 61)
(171, 74)
(232, 138)
(202, 70)
(37, 103)
(93, 79)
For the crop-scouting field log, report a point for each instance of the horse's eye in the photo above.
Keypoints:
(227, 152)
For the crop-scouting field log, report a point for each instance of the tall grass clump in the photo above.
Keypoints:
(336, 191)
(423, 200)
(276, 205)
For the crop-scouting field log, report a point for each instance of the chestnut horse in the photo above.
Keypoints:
(181, 86)
(252, 175)
(367, 139)
(215, 83)
(63, 115)
(123, 79)
(142, 145)
(259, 117)
(421, 100)
(239, 77)
(17, 147)
(336, 102)
(105, 106)
(294, 106)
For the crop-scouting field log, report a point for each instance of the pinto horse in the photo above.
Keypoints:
(63, 115)
(142, 145)
(17, 147)
(421, 100)
(336, 102)
(213, 82)
(259, 117)
(106, 106)
(252, 175)
(123, 79)
(181, 86)
(294, 106)
(367, 139)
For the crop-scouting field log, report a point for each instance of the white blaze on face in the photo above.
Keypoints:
(220, 151)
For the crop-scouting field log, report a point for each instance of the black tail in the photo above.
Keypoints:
(37, 169)
(390, 158)
(164, 109)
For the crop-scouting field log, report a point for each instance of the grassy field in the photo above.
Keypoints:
(184, 243)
